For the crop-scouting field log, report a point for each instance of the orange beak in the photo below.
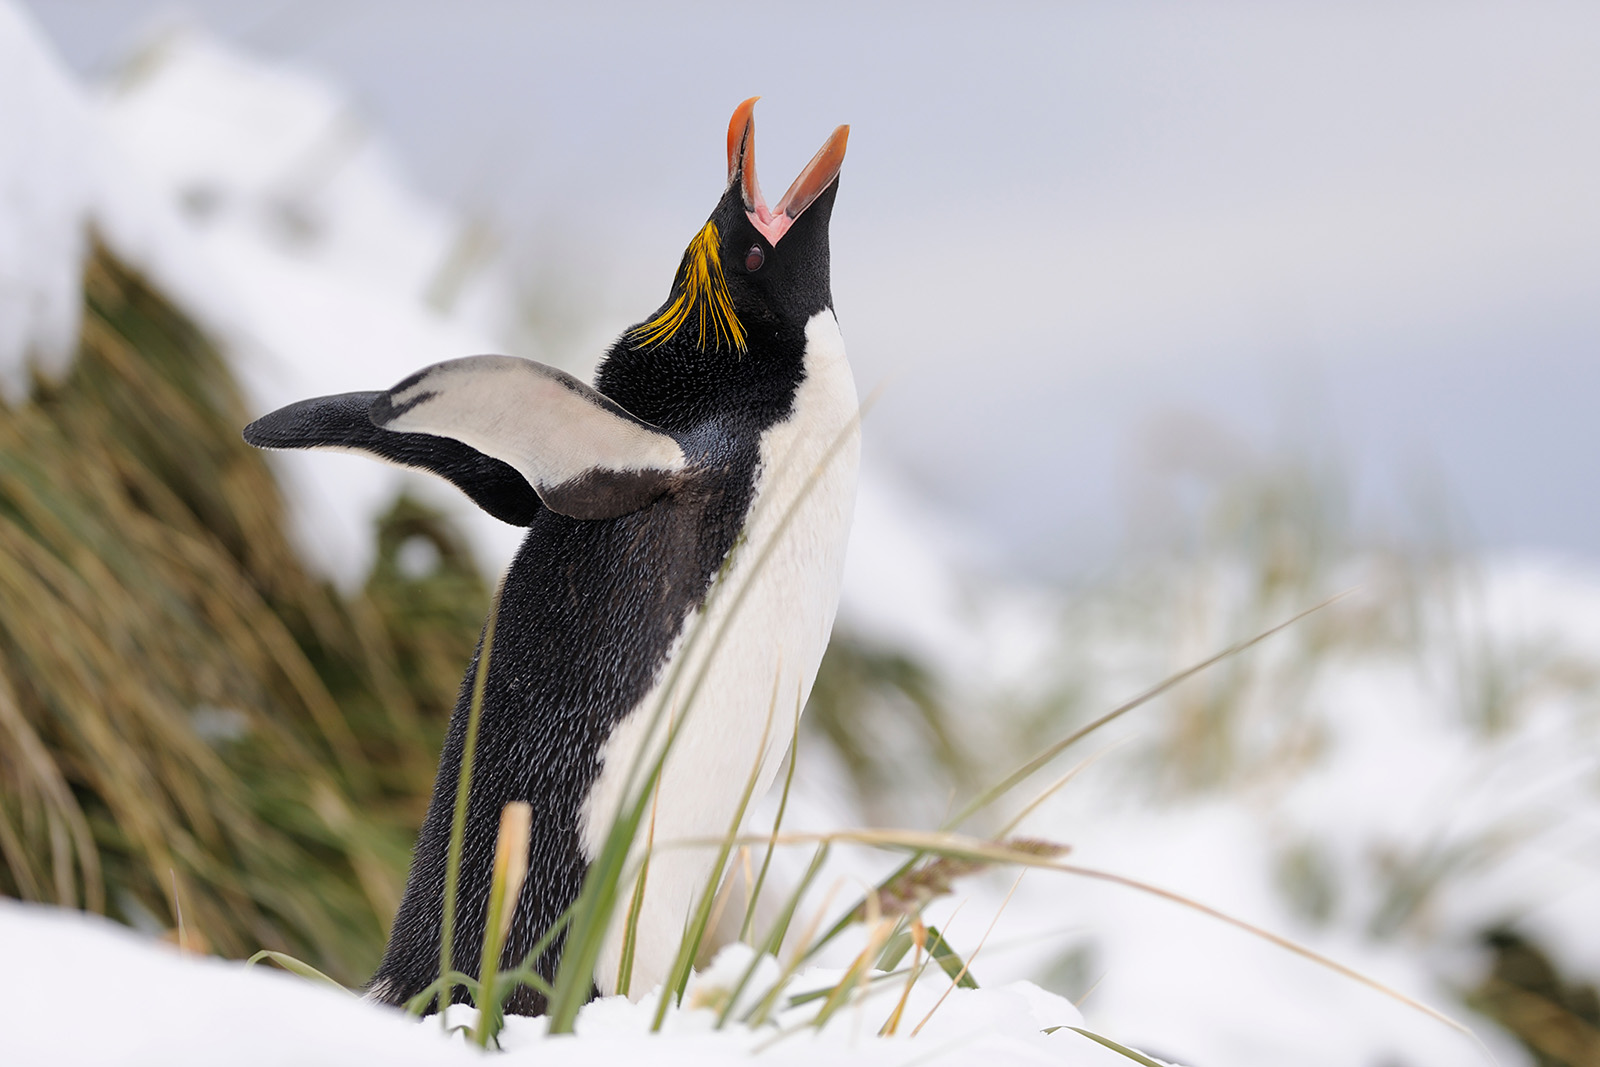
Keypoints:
(820, 173)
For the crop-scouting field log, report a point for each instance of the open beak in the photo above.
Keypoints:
(813, 180)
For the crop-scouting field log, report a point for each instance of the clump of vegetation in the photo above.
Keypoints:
(890, 722)
(1555, 1017)
(190, 722)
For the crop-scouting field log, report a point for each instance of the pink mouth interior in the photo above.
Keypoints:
(811, 183)
(771, 226)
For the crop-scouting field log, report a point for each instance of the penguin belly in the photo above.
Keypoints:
(761, 636)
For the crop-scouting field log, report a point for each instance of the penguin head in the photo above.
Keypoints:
(779, 254)
(753, 273)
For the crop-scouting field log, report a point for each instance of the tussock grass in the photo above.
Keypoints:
(185, 712)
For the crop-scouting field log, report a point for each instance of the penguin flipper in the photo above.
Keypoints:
(342, 422)
(583, 454)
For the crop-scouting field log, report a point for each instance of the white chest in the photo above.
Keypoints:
(742, 669)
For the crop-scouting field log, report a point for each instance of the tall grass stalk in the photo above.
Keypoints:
(966, 965)
(510, 868)
(1053, 788)
(780, 927)
(458, 823)
(630, 936)
(1028, 769)
(689, 946)
(937, 951)
(940, 952)
(591, 913)
(858, 974)
(1032, 766)
(777, 826)
(1121, 1050)
(763, 1008)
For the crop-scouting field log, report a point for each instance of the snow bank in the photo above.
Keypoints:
(45, 192)
(256, 199)
(81, 990)
(61, 181)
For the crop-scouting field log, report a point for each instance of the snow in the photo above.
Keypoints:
(186, 1009)
(44, 195)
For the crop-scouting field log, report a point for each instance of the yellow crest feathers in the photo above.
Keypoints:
(702, 296)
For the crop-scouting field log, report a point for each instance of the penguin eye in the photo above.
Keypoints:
(754, 258)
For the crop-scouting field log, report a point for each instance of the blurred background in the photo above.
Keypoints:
(1358, 228)
(1180, 320)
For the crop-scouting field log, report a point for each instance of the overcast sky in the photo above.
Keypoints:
(1069, 237)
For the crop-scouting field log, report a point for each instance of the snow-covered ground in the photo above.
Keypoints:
(157, 1006)
(1458, 763)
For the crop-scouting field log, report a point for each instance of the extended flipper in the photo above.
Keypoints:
(583, 454)
(343, 422)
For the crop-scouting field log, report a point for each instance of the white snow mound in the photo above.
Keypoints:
(158, 1006)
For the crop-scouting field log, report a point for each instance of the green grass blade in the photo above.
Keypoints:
(525, 973)
(777, 825)
(775, 936)
(424, 999)
(294, 966)
(856, 978)
(780, 929)
(1124, 1050)
(949, 961)
(895, 949)
(1027, 770)
(689, 945)
(591, 916)
(801, 999)
(458, 823)
(630, 936)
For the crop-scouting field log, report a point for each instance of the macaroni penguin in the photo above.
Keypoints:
(686, 523)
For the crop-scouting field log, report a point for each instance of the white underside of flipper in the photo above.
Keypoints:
(769, 620)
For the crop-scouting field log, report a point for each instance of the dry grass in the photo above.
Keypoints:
(184, 710)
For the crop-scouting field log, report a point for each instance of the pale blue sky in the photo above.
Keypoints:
(1367, 230)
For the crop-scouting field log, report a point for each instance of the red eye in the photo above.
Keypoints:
(754, 258)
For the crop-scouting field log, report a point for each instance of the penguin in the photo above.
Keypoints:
(704, 482)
